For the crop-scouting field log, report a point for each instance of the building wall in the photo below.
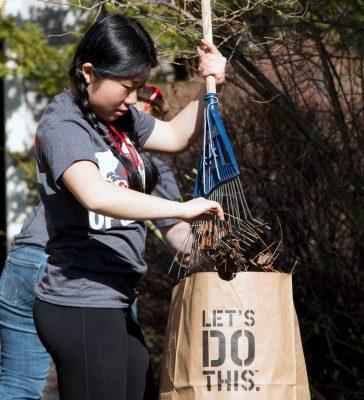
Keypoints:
(2, 176)
(20, 128)
(22, 110)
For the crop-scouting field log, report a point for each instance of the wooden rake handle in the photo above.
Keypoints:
(207, 35)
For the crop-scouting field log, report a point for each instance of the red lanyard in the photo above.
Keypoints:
(122, 136)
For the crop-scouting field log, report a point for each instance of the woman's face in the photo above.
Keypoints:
(111, 98)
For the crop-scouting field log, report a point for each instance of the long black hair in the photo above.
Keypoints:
(117, 46)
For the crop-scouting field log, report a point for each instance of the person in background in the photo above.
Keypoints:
(152, 101)
(24, 361)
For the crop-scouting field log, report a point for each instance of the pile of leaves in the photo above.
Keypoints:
(233, 254)
(228, 250)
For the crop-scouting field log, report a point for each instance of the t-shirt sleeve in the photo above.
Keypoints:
(166, 188)
(143, 125)
(62, 143)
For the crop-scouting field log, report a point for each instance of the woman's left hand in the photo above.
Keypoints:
(211, 61)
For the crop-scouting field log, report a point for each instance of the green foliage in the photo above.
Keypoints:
(41, 67)
(28, 55)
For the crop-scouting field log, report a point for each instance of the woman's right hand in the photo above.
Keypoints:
(201, 209)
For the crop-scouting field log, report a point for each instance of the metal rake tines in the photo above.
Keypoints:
(218, 172)
(231, 196)
(238, 233)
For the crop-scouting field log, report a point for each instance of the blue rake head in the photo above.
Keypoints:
(217, 163)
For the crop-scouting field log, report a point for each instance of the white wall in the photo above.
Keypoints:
(19, 131)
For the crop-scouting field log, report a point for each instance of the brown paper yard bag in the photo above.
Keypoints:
(235, 339)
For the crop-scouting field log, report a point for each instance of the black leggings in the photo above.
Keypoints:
(99, 353)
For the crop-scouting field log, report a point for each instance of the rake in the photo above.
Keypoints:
(218, 179)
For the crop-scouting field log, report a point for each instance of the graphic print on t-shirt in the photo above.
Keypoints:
(112, 171)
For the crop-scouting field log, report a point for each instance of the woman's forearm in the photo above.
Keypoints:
(124, 203)
(84, 181)
(187, 125)
(179, 133)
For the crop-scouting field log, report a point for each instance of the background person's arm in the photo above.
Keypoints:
(178, 239)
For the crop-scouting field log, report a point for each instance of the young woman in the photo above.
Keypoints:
(25, 376)
(24, 363)
(94, 182)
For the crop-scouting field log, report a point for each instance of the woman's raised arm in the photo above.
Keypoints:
(178, 134)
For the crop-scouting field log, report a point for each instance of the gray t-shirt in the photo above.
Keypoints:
(166, 188)
(34, 230)
(94, 261)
